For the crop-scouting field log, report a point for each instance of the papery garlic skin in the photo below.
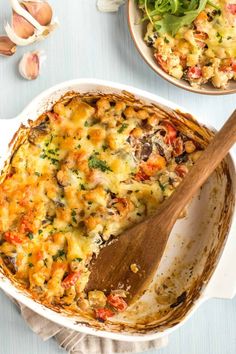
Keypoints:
(30, 64)
(40, 31)
(7, 47)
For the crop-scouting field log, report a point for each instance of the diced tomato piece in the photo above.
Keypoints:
(117, 302)
(25, 225)
(231, 8)
(70, 280)
(181, 170)
(234, 66)
(103, 314)
(171, 133)
(226, 65)
(161, 62)
(54, 117)
(194, 72)
(13, 237)
(141, 176)
(39, 255)
(200, 38)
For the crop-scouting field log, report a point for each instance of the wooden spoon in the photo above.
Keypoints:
(144, 243)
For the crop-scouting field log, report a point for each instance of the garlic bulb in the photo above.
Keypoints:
(7, 47)
(30, 64)
(31, 21)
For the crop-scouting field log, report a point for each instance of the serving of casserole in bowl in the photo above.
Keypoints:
(191, 44)
(89, 159)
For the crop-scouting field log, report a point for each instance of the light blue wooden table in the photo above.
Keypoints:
(92, 44)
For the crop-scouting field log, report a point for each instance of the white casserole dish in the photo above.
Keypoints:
(200, 256)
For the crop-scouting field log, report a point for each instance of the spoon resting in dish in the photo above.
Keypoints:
(142, 246)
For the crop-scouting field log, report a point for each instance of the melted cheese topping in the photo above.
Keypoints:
(85, 171)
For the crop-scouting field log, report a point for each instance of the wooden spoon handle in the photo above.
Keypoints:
(205, 165)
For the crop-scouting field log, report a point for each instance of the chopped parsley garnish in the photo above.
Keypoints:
(30, 235)
(73, 215)
(161, 186)
(123, 127)
(52, 152)
(104, 147)
(166, 40)
(60, 254)
(78, 259)
(37, 174)
(82, 187)
(40, 232)
(96, 163)
(86, 124)
(46, 154)
(78, 146)
(219, 37)
(31, 265)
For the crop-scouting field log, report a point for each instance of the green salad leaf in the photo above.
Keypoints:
(168, 16)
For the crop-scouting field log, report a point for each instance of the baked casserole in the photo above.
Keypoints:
(82, 173)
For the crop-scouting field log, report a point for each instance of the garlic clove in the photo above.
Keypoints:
(7, 47)
(21, 26)
(30, 65)
(20, 10)
(40, 10)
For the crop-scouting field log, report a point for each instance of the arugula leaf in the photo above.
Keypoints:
(96, 163)
(168, 16)
(171, 23)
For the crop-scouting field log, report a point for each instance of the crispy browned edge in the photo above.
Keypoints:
(200, 134)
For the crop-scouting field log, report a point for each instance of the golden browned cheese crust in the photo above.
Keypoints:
(86, 170)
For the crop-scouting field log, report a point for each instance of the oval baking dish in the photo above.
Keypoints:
(200, 248)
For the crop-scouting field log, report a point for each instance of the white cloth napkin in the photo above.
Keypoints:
(78, 343)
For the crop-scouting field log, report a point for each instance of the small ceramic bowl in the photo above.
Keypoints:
(138, 29)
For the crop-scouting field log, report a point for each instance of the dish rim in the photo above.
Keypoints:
(177, 82)
(61, 318)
